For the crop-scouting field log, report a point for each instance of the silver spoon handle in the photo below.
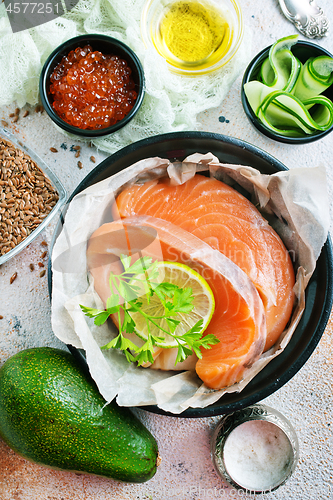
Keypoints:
(308, 18)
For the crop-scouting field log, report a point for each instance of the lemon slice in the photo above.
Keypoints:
(203, 304)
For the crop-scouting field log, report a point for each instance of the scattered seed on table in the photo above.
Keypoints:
(76, 148)
(11, 115)
(44, 243)
(25, 113)
(32, 267)
(77, 154)
(44, 254)
(13, 278)
(4, 123)
(79, 164)
(1, 317)
(16, 117)
(17, 111)
(41, 264)
(54, 150)
(93, 159)
(42, 273)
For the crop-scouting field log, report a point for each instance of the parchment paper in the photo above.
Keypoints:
(294, 201)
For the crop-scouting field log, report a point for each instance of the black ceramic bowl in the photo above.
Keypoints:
(303, 50)
(319, 293)
(106, 45)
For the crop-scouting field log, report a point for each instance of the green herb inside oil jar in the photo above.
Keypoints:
(193, 36)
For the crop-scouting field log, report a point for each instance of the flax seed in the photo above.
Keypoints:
(93, 159)
(42, 273)
(32, 267)
(25, 113)
(79, 164)
(44, 254)
(13, 278)
(53, 150)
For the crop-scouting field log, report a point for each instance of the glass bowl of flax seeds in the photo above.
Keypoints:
(30, 195)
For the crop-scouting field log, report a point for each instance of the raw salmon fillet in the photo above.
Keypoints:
(219, 215)
(238, 320)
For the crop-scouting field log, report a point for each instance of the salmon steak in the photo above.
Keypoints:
(238, 320)
(226, 220)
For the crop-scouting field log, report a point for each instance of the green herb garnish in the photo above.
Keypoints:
(138, 295)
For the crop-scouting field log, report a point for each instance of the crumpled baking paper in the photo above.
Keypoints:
(294, 201)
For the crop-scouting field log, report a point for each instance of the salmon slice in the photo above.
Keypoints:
(238, 320)
(228, 222)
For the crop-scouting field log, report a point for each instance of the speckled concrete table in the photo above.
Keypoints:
(186, 472)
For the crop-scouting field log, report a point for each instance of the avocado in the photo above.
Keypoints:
(52, 413)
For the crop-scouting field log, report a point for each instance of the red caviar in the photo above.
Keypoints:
(92, 90)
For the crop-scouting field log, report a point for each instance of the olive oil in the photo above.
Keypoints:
(192, 34)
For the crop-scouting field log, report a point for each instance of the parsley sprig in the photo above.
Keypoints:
(138, 279)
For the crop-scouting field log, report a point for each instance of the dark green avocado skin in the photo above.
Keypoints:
(52, 413)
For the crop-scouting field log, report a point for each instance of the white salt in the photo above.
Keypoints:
(257, 455)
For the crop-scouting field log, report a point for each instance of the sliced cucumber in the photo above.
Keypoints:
(281, 69)
(287, 115)
(316, 76)
(286, 97)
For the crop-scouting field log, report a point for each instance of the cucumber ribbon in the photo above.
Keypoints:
(286, 97)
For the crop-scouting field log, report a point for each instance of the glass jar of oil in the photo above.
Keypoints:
(193, 35)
